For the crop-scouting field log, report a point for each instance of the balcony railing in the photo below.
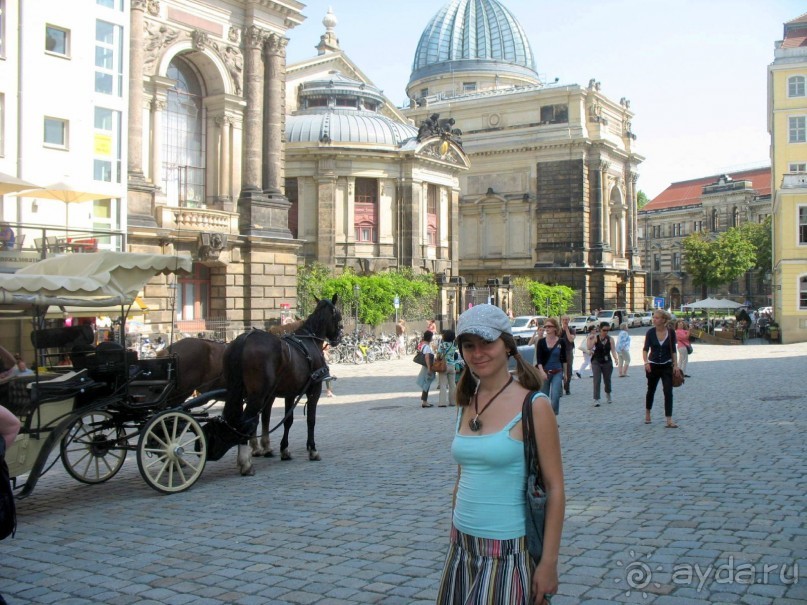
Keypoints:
(33, 242)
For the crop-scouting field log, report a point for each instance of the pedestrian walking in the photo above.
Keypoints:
(550, 356)
(426, 376)
(488, 561)
(446, 380)
(567, 335)
(623, 349)
(400, 336)
(603, 351)
(684, 345)
(585, 347)
(659, 361)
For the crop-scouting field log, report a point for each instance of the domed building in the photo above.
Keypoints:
(369, 190)
(551, 192)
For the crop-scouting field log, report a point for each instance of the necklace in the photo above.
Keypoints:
(474, 423)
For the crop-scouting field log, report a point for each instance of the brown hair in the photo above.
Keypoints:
(526, 374)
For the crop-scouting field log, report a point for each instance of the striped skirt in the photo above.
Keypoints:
(479, 571)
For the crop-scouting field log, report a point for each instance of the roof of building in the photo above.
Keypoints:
(473, 35)
(795, 35)
(688, 193)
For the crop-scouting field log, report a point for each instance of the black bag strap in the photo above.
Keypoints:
(528, 431)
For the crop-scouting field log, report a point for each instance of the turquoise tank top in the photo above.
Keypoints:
(490, 497)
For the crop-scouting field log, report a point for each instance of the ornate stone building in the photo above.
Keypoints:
(205, 153)
(709, 205)
(368, 190)
(551, 192)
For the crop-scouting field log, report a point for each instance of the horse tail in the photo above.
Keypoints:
(234, 377)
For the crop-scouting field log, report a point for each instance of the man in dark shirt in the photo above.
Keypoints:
(567, 335)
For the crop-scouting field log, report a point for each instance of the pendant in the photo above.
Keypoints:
(474, 424)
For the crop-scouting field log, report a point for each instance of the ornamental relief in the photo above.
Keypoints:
(159, 36)
(441, 150)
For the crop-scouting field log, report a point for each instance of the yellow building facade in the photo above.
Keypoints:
(787, 124)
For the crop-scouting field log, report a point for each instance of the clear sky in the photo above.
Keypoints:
(695, 71)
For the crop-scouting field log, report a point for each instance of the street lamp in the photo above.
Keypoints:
(356, 290)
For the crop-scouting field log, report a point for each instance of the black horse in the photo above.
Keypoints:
(259, 366)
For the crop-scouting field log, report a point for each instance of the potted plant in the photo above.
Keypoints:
(773, 331)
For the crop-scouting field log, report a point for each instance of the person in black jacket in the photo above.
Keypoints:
(659, 361)
(603, 358)
(550, 353)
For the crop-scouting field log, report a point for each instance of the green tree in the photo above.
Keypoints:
(759, 234)
(720, 261)
(311, 280)
(641, 199)
(546, 299)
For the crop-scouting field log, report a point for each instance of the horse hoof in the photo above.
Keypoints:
(257, 454)
(285, 455)
(250, 472)
(314, 455)
(269, 454)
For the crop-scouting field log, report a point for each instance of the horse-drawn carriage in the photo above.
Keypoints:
(112, 403)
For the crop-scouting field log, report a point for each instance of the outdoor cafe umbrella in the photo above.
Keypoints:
(64, 193)
(11, 184)
(711, 304)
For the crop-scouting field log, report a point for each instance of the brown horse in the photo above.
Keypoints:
(199, 366)
(259, 366)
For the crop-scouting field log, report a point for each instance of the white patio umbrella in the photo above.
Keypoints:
(64, 193)
(11, 184)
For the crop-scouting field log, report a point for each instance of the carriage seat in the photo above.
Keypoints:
(61, 387)
(153, 381)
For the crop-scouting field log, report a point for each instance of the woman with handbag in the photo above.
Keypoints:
(447, 353)
(684, 346)
(659, 364)
(550, 353)
(488, 560)
(426, 375)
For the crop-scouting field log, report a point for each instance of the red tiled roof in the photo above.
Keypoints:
(799, 19)
(688, 193)
(795, 34)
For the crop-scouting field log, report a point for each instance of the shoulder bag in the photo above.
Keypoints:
(420, 358)
(439, 364)
(677, 374)
(535, 491)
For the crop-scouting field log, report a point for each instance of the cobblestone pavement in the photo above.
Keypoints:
(713, 512)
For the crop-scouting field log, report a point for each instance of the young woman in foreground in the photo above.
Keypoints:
(487, 561)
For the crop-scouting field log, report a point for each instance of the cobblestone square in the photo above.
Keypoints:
(713, 512)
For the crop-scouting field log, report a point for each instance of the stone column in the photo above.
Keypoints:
(326, 218)
(224, 124)
(158, 105)
(632, 210)
(253, 95)
(274, 50)
(136, 60)
(598, 174)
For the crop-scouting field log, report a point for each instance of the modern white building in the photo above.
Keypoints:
(63, 111)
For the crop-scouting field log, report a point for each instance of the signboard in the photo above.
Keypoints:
(658, 302)
(396, 302)
(103, 145)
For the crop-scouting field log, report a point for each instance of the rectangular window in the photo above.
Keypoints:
(55, 133)
(2, 28)
(108, 58)
(797, 168)
(795, 86)
(113, 4)
(193, 295)
(555, 114)
(656, 262)
(802, 225)
(803, 293)
(469, 87)
(365, 213)
(797, 130)
(107, 145)
(676, 261)
(432, 214)
(57, 40)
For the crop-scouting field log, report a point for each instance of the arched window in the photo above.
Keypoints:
(365, 214)
(183, 144)
(795, 86)
(715, 220)
(735, 220)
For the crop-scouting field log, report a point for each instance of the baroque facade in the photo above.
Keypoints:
(369, 191)
(708, 205)
(787, 124)
(551, 192)
(205, 154)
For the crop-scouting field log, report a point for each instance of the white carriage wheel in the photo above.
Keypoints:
(93, 448)
(171, 452)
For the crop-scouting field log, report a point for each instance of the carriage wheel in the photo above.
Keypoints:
(171, 452)
(93, 448)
